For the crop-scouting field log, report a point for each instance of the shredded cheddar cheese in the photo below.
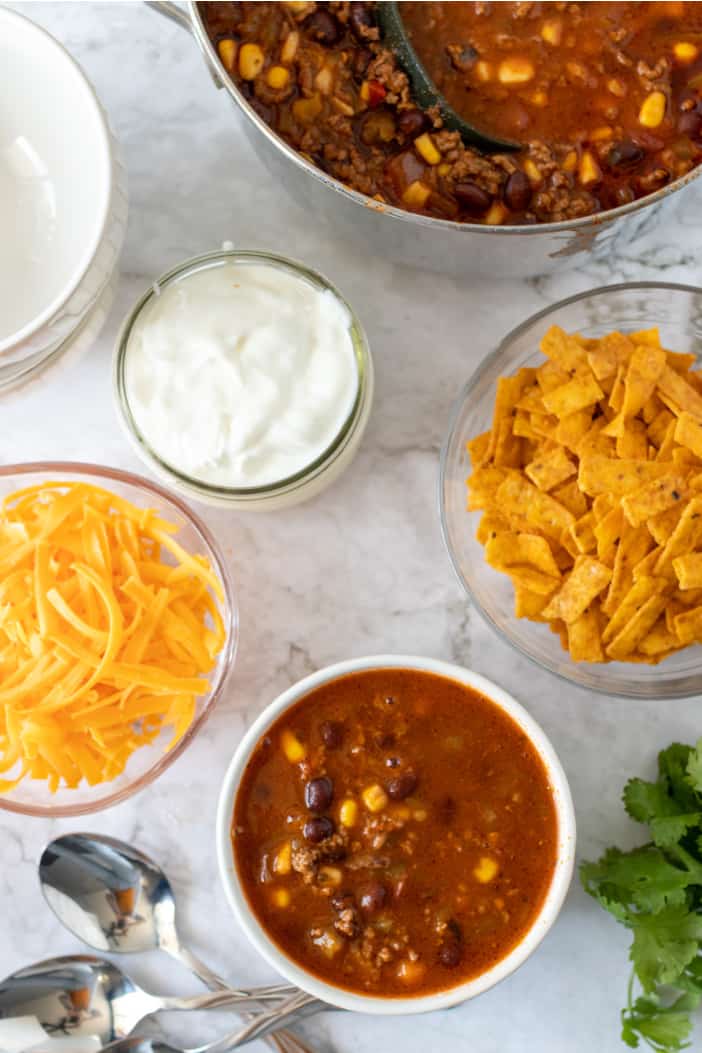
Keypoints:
(108, 628)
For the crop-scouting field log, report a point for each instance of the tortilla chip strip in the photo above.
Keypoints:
(588, 579)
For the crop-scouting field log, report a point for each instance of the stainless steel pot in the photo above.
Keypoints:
(459, 249)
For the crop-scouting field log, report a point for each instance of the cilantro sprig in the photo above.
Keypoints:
(656, 891)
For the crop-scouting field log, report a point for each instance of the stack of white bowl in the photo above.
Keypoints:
(63, 203)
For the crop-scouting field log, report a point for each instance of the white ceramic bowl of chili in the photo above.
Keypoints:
(392, 1006)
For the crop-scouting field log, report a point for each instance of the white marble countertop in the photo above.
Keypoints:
(362, 569)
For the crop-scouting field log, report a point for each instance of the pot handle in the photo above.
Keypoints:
(172, 11)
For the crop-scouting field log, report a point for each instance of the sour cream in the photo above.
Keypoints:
(241, 375)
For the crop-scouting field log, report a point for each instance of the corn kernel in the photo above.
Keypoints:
(293, 749)
(290, 46)
(410, 972)
(495, 215)
(375, 798)
(652, 110)
(444, 168)
(226, 49)
(348, 813)
(532, 171)
(539, 98)
(588, 170)
(576, 71)
(424, 145)
(324, 81)
(250, 61)
(486, 870)
(420, 814)
(282, 864)
(401, 812)
(599, 135)
(365, 91)
(515, 70)
(570, 161)
(329, 876)
(616, 87)
(280, 897)
(277, 77)
(297, 6)
(686, 52)
(552, 31)
(483, 71)
(305, 110)
(342, 106)
(416, 194)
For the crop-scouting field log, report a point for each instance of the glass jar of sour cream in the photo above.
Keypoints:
(244, 379)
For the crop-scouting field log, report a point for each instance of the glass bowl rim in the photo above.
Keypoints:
(606, 687)
(226, 663)
(224, 494)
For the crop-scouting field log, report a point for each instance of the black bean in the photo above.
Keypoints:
(360, 20)
(360, 62)
(450, 954)
(318, 829)
(472, 198)
(322, 27)
(385, 740)
(372, 897)
(624, 155)
(392, 762)
(332, 733)
(319, 794)
(401, 786)
(412, 123)
(690, 124)
(517, 192)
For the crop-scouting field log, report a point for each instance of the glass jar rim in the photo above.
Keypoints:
(201, 488)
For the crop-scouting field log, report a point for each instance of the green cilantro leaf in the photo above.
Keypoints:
(664, 944)
(642, 878)
(673, 774)
(664, 1029)
(649, 802)
(694, 768)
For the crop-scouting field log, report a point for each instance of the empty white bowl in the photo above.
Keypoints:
(58, 193)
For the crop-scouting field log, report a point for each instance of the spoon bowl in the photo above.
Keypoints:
(91, 999)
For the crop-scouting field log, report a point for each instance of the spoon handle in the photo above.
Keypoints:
(230, 998)
(196, 965)
(265, 1022)
(282, 1040)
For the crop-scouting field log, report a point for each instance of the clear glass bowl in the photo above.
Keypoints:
(32, 797)
(677, 311)
(314, 477)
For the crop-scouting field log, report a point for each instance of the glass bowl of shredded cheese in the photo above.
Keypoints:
(118, 627)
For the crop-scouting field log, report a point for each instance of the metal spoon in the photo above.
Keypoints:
(423, 87)
(90, 998)
(113, 897)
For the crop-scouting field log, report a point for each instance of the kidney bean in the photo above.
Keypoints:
(319, 794)
(472, 198)
(412, 123)
(401, 786)
(318, 829)
(450, 954)
(517, 191)
(373, 896)
(332, 733)
(624, 155)
(322, 27)
(360, 20)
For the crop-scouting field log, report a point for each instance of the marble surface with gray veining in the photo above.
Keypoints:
(362, 569)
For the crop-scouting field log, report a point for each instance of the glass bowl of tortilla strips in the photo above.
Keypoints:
(571, 489)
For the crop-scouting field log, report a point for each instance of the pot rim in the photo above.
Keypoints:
(583, 223)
